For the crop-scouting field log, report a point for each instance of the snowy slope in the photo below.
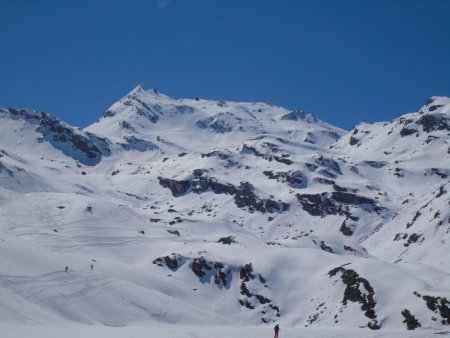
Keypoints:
(210, 212)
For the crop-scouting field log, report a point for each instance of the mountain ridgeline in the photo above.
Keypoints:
(201, 211)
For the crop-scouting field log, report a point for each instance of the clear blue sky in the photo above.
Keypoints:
(346, 61)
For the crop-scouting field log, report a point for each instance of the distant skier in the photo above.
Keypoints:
(276, 329)
(92, 266)
(67, 269)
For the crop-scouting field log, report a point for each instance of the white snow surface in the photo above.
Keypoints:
(200, 218)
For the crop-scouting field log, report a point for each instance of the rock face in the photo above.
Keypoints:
(252, 300)
(295, 179)
(244, 197)
(411, 322)
(81, 146)
(335, 203)
(440, 306)
(358, 290)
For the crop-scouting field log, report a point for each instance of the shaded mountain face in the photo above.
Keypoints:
(202, 211)
(45, 128)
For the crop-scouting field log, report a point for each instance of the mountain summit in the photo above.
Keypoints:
(148, 114)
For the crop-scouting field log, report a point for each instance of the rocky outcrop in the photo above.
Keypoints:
(335, 203)
(244, 197)
(298, 115)
(84, 147)
(228, 240)
(431, 122)
(173, 261)
(358, 290)
(411, 322)
(329, 164)
(253, 300)
(439, 305)
(134, 143)
(295, 179)
(178, 188)
(207, 270)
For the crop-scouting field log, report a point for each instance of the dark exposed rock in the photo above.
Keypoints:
(416, 216)
(353, 140)
(271, 146)
(174, 232)
(247, 275)
(298, 115)
(150, 112)
(246, 272)
(283, 160)
(178, 188)
(407, 131)
(329, 164)
(246, 303)
(339, 188)
(327, 173)
(439, 305)
(311, 166)
(173, 262)
(411, 322)
(319, 204)
(433, 108)
(227, 240)
(400, 236)
(252, 150)
(349, 198)
(349, 248)
(262, 299)
(431, 122)
(322, 180)
(295, 179)
(345, 229)
(442, 173)
(325, 247)
(134, 143)
(81, 146)
(220, 154)
(199, 265)
(334, 203)
(244, 290)
(441, 192)
(219, 272)
(357, 290)
(399, 172)
(376, 164)
(413, 238)
(244, 197)
(373, 325)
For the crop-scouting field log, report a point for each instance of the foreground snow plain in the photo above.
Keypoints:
(180, 331)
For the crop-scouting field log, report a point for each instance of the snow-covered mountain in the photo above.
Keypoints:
(198, 211)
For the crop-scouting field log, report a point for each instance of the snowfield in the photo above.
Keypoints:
(200, 218)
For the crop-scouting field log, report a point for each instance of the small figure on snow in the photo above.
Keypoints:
(92, 266)
(67, 269)
(276, 329)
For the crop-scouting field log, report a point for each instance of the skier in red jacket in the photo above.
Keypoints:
(276, 329)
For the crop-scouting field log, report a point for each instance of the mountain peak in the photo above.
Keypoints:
(137, 89)
(140, 91)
